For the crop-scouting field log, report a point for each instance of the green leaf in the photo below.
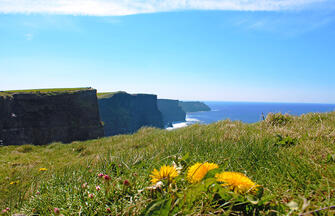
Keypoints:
(197, 190)
(158, 208)
(259, 192)
(225, 194)
(186, 156)
(211, 173)
(330, 158)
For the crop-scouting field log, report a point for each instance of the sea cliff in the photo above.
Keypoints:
(124, 113)
(44, 116)
(171, 111)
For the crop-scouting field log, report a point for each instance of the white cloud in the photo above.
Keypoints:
(29, 36)
(128, 7)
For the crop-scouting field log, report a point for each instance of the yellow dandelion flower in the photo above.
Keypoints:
(43, 169)
(198, 171)
(236, 182)
(165, 172)
(14, 182)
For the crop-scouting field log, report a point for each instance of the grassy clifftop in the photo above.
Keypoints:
(108, 94)
(44, 91)
(292, 158)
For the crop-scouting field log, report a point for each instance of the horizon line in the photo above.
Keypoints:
(282, 102)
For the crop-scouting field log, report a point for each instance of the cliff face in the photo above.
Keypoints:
(194, 106)
(40, 118)
(124, 113)
(171, 111)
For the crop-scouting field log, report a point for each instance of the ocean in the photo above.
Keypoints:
(249, 112)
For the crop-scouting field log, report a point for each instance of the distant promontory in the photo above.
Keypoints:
(193, 106)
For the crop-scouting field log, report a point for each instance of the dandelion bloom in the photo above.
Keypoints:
(14, 182)
(236, 182)
(43, 169)
(165, 172)
(198, 171)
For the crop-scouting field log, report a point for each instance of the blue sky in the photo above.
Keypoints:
(270, 51)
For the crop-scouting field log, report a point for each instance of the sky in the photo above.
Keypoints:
(210, 50)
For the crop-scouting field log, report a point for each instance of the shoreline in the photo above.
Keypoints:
(177, 125)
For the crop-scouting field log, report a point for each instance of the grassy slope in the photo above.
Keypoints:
(303, 170)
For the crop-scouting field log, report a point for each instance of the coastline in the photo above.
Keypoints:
(248, 112)
(189, 121)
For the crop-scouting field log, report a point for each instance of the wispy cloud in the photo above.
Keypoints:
(285, 24)
(128, 7)
(29, 36)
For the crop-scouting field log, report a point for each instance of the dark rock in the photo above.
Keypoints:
(171, 111)
(124, 113)
(40, 118)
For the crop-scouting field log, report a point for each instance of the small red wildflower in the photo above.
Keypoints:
(56, 210)
(107, 177)
(97, 188)
(126, 182)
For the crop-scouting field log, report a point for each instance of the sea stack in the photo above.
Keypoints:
(43, 116)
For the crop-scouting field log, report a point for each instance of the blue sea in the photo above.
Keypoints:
(249, 112)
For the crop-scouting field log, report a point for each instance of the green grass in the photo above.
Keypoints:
(44, 91)
(293, 158)
(111, 94)
(108, 94)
